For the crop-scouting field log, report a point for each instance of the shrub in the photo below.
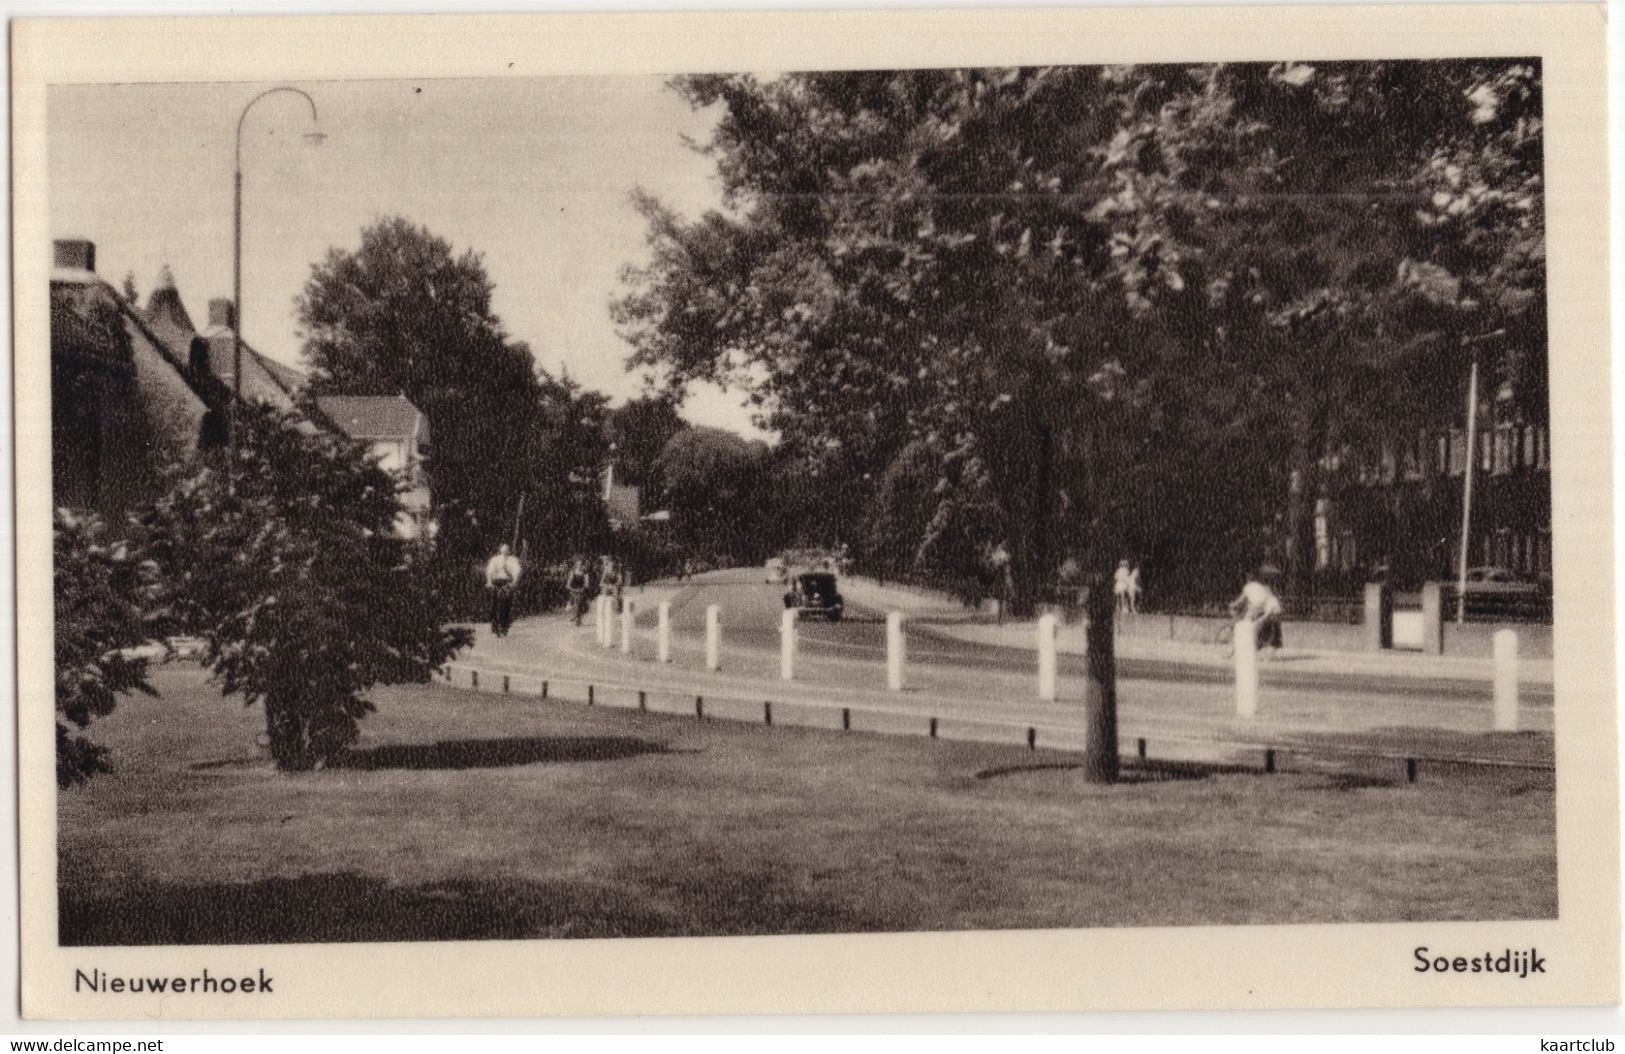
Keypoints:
(291, 571)
(106, 609)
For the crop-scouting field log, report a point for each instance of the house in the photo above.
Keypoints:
(397, 433)
(126, 400)
(136, 390)
(212, 352)
(1397, 503)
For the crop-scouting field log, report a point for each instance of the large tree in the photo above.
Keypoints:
(405, 314)
(711, 483)
(639, 430)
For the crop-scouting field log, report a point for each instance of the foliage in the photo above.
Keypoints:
(639, 431)
(294, 576)
(106, 607)
(710, 481)
(1128, 309)
(404, 314)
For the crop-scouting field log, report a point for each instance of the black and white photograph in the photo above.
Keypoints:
(794, 501)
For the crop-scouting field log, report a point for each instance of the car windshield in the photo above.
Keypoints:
(820, 583)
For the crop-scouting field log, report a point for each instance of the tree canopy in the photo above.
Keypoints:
(405, 314)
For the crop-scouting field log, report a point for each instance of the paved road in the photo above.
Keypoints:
(752, 608)
(992, 688)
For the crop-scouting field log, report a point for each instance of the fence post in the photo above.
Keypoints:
(713, 637)
(628, 613)
(895, 654)
(1046, 658)
(1379, 617)
(1506, 680)
(606, 624)
(1245, 642)
(787, 645)
(663, 645)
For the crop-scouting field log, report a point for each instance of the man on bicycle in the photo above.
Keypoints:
(576, 584)
(501, 575)
(1259, 605)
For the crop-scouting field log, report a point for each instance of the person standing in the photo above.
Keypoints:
(1120, 586)
(501, 576)
(1134, 590)
(611, 583)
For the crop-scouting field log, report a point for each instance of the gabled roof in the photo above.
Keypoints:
(67, 324)
(376, 417)
(263, 378)
(164, 305)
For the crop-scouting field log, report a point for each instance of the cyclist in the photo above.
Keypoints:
(1259, 605)
(501, 575)
(576, 584)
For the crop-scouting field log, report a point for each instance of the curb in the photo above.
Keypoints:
(761, 708)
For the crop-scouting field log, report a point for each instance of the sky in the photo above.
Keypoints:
(534, 174)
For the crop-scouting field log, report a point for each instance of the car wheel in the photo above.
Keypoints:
(789, 602)
(835, 614)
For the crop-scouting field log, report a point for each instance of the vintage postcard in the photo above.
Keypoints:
(814, 512)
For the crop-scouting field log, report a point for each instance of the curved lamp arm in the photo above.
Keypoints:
(270, 91)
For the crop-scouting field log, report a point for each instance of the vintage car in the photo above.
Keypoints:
(1499, 582)
(814, 593)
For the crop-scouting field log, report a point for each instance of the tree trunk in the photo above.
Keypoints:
(289, 736)
(1030, 558)
(1100, 686)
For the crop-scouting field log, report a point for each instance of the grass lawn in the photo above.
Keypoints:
(465, 816)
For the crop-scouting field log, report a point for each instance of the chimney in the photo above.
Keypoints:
(222, 313)
(75, 253)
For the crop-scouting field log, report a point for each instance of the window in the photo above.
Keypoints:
(1543, 452)
(1387, 463)
(1458, 452)
(1506, 448)
(1347, 552)
(1503, 551)
(1486, 451)
(1323, 555)
(1415, 456)
(1441, 460)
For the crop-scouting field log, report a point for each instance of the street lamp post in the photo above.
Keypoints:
(314, 137)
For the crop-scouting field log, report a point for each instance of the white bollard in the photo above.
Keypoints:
(628, 613)
(1506, 680)
(1046, 659)
(663, 643)
(1245, 641)
(713, 637)
(603, 622)
(895, 654)
(787, 645)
